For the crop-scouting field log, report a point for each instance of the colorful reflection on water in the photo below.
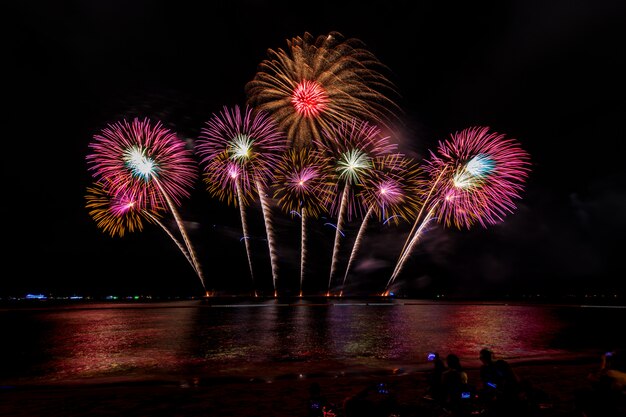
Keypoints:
(108, 340)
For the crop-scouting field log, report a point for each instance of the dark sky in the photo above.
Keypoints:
(550, 74)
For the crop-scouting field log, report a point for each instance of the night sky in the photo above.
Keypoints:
(550, 74)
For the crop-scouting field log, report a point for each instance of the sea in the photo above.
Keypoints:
(46, 342)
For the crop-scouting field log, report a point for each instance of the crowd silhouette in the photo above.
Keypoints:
(497, 391)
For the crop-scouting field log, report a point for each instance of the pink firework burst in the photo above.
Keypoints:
(477, 175)
(317, 82)
(143, 159)
(248, 138)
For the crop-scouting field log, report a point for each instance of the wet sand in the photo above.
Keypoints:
(230, 392)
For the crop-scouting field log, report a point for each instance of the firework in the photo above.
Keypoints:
(486, 173)
(390, 190)
(116, 214)
(317, 83)
(351, 147)
(145, 159)
(228, 181)
(476, 175)
(149, 162)
(303, 184)
(241, 148)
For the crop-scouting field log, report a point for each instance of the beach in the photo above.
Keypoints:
(284, 393)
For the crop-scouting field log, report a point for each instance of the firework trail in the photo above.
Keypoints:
(303, 181)
(251, 140)
(246, 233)
(336, 244)
(269, 231)
(351, 148)
(476, 176)
(391, 190)
(409, 248)
(183, 233)
(356, 246)
(149, 162)
(229, 182)
(320, 82)
(416, 226)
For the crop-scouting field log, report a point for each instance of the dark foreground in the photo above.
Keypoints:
(560, 380)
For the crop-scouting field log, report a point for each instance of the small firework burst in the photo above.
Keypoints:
(228, 181)
(309, 98)
(482, 173)
(117, 214)
(318, 82)
(303, 182)
(392, 188)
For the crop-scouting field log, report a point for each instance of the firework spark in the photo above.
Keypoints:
(242, 148)
(303, 184)
(317, 83)
(149, 162)
(476, 175)
(351, 147)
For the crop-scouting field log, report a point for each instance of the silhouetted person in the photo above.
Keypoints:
(606, 395)
(436, 390)
(459, 394)
(500, 389)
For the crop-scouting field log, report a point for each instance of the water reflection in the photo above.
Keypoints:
(112, 340)
(119, 340)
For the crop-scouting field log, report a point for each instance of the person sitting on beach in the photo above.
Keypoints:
(496, 376)
(458, 393)
(613, 369)
(436, 390)
(501, 390)
(606, 395)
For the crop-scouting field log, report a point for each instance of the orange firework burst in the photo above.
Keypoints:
(316, 83)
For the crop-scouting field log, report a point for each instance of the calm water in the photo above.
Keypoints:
(139, 339)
